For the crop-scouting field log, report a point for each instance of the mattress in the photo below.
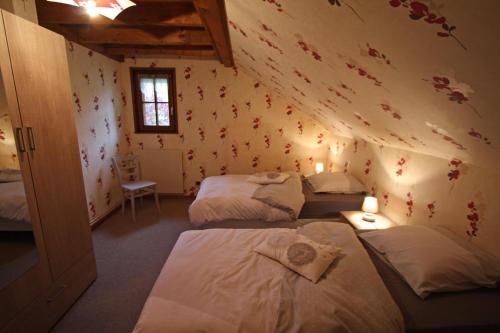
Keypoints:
(326, 205)
(468, 311)
(213, 281)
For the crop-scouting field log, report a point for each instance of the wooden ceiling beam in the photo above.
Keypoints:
(160, 52)
(164, 14)
(124, 36)
(213, 15)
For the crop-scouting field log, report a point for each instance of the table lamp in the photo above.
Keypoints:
(319, 167)
(370, 207)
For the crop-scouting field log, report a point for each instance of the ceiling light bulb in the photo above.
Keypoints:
(91, 8)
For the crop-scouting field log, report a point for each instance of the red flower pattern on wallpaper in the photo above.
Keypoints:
(201, 134)
(234, 110)
(2, 134)
(102, 152)
(400, 165)
(363, 73)
(160, 141)
(223, 133)
(385, 196)
(223, 170)
(368, 166)
(187, 73)
(387, 108)
(234, 150)
(77, 102)
(372, 52)
(96, 103)
(237, 28)
(256, 123)
(409, 204)
(270, 44)
(419, 10)
(200, 92)
(308, 48)
(255, 161)
(297, 165)
(301, 75)
(190, 154)
(189, 115)
(267, 141)
(101, 75)
(300, 127)
(288, 148)
(454, 173)
(319, 138)
(222, 92)
(475, 134)
(473, 218)
(92, 209)
(85, 156)
(431, 207)
(346, 167)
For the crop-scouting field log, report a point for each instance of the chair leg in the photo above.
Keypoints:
(132, 202)
(157, 200)
(123, 203)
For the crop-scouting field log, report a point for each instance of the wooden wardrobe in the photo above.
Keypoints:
(35, 75)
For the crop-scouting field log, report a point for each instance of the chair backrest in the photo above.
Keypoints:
(128, 168)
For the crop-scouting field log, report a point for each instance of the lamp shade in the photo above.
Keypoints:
(370, 205)
(108, 8)
(320, 167)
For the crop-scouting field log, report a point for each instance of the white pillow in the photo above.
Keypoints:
(335, 182)
(10, 175)
(427, 260)
(298, 253)
(265, 178)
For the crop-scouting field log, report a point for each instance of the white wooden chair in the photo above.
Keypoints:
(128, 170)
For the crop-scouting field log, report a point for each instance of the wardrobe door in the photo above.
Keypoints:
(24, 271)
(41, 76)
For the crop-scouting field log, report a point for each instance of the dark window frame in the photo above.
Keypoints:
(167, 72)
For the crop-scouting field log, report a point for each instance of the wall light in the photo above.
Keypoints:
(320, 167)
(370, 207)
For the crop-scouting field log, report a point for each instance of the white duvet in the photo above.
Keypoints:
(13, 204)
(229, 197)
(213, 281)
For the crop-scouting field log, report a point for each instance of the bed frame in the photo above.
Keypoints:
(328, 205)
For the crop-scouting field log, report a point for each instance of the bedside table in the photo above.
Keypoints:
(355, 218)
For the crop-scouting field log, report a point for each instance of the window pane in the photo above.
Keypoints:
(149, 113)
(163, 114)
(147, 89)
(162, 90)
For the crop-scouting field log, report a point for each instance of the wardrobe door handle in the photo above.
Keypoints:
(20, 140)
(31, 138)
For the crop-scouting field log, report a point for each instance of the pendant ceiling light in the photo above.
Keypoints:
(108, 8)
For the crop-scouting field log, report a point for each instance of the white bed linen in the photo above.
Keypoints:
(213, 281)
(13, 205)
(229, 197)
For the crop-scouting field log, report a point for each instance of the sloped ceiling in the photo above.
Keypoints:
(418, 75)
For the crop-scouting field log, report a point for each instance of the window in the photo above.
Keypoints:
(153, 91)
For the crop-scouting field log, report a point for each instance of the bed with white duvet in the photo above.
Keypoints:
(14, 211)
(214, 281)
(233, 197)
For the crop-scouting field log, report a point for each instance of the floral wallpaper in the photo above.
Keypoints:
(416, 75)
(8, 153)
(409, 89)
(413, 188)
(98, 111)
(229, 122)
